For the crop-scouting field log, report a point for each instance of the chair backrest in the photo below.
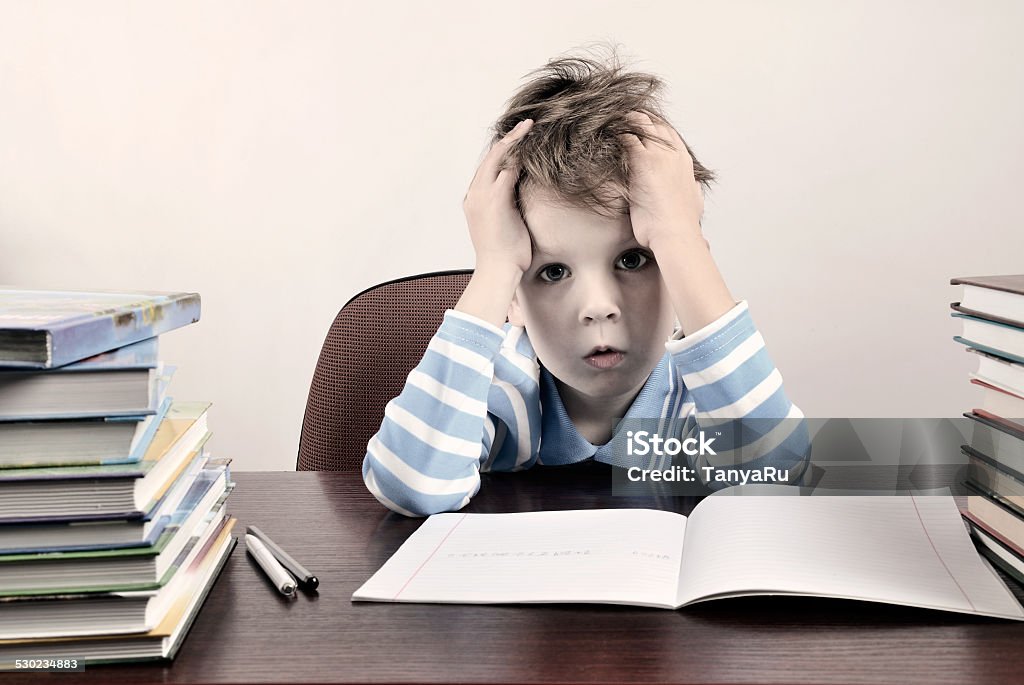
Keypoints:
(376, 339)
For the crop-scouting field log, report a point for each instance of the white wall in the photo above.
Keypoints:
(278, 157)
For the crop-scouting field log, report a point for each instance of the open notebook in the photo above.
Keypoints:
(896, 549)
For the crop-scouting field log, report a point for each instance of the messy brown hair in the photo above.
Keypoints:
(578, 105)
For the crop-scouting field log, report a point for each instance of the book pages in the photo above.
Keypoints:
(895, 549)
(618, 556)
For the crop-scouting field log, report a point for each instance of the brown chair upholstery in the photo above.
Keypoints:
(377, 338)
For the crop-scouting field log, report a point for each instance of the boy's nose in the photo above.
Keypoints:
(600, 307)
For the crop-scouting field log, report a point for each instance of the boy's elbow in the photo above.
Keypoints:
(402, 499)
(419, 508)
(380, 494)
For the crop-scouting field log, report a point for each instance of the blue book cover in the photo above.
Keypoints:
(44, 329)
(1009, 356)
(140, 355)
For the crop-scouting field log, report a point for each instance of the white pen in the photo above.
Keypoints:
(284, 582)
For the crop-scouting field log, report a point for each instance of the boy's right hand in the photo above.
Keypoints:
(496, 228)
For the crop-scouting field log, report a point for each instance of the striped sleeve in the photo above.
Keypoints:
(448, 423)
(514, 403)
(732, 385)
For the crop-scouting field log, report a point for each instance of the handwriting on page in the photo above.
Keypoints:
(652, 556)
(522, 553)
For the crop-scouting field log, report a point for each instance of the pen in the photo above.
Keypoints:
(306, 579)
(284, 582)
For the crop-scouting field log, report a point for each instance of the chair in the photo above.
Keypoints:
(376, 339)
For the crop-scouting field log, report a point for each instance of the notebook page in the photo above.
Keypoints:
(619, 556)
(896, 549)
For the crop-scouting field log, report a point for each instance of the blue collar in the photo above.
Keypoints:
(560, 442)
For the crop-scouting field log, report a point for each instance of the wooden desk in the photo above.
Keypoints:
(246, 632)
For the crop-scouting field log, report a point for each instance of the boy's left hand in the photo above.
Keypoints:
(666, 200)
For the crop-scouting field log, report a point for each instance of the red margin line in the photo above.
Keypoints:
(432, 556)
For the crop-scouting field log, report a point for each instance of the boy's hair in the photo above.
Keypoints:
(572, 153)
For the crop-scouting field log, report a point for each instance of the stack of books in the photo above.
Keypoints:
(992, 312)
(113, 525)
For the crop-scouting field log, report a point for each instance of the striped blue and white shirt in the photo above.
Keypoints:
(479, 401)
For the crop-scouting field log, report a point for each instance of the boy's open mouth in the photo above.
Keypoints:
(604, 357)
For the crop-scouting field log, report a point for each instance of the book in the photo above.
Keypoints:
(906, 550)
(995, 338)
(44, 329)
(998, 298)
(990, 478)
(78, 442)
(129, 568)
(1001, 402)
(142, 354)
(114, 490)
(999, 372)
(73, 392)
(1008, 556)
(103, 613)
(1000, 442)
(1011, 425)
(84, 534)
(162, 642)
(997, 515)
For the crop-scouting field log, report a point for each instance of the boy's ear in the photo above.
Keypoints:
(515, 312)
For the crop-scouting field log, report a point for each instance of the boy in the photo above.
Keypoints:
(585, 219)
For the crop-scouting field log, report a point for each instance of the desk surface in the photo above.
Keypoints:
(246, 632)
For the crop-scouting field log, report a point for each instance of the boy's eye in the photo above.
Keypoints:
(632, 260)
(553, 272)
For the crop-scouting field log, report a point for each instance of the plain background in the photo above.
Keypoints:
(279, 157)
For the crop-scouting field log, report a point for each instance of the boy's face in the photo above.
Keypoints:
(593, 301)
